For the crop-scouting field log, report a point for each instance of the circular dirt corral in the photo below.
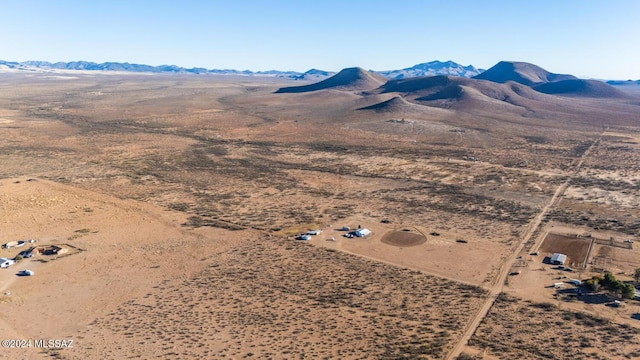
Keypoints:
(403, 238)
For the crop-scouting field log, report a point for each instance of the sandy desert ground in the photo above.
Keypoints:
(180, 198)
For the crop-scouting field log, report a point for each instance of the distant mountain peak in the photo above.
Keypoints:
(521, 72)
(354, 78)
(433, 68)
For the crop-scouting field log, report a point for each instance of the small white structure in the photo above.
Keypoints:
(304, 237)
(575, 281)
(5, 263)
(558, 259)
(12, 244)
(314, 232)
(27, 272)
(558, 285)
(362, 232)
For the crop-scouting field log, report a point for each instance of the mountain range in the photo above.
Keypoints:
(510, 90)
(432, 68)
(425, 69)
(139, 68)
(506, 81)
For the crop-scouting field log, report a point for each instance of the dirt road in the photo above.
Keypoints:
(498, 283)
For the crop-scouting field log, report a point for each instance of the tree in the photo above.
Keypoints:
(594, 283)
(617, 287)
(628, 291)
(609, 281)
(636, 276)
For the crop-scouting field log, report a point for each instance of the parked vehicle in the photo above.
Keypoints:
(27, 253)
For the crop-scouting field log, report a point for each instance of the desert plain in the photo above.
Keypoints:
(179, 199)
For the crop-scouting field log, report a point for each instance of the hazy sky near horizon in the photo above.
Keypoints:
(587, 38)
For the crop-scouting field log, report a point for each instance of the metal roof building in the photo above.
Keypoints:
(558, 259)
(362, 232)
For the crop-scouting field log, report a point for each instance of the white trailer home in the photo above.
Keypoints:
(5, 263)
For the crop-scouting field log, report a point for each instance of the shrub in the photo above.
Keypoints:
(594, 283)
(464, 356)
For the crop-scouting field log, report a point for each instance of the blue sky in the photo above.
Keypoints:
(587, 38)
